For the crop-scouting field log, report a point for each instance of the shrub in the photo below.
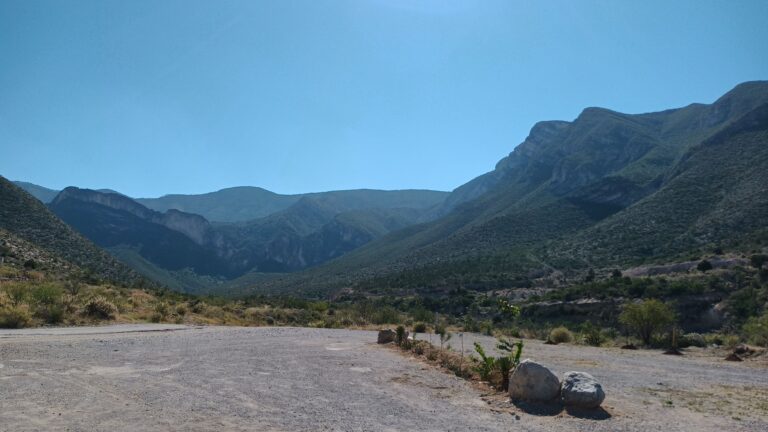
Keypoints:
(758, 260)
(647, 318)
(14, 317)
(592, 334)
(400, 335)
(181, 309)
(51, 314)
(420, 328)
(560, 335)
(692, 339)
(756, 330)
(99, 307)
(704, 266)
(46, 294)
(17, 293)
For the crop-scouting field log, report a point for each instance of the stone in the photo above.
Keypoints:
(533, 382)
(386, 336)
(581, 390)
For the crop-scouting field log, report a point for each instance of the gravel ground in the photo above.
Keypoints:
(261, 379)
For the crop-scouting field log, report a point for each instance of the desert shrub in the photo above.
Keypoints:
(99, 307)
(592, 334)
(420, 328)
(46, 294)
(756, 330)
(386, 315)
(692, 339)
(17, 293)
(14, 317)
(647, 318)
(197, 307)
(560, 335)
(50, 313)
(162, 310)
(181, 309)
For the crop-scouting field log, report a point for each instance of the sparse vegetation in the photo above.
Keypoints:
(560, 335)
(648, 318)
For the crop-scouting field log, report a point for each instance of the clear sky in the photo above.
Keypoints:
(154, 97)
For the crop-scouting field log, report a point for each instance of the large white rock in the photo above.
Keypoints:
(531, 381)
(582, 390)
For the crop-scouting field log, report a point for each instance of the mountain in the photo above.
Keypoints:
(184, 251)
(246, 203)
(30, 226)
(606, 189)
(42, 193)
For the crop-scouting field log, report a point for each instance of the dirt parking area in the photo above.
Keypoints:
(151, 378)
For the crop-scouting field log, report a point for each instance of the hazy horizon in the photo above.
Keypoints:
(153, 98)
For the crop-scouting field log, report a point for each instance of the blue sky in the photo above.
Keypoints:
(155, 97)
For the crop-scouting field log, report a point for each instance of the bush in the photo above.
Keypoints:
(14, 317)
(647, 318)
(560, 335)
(704, 266)
(756, 330)
(99, 307)
(692, 339)
(51, 314)
(46, 294)
(420, 328)
(592, 334)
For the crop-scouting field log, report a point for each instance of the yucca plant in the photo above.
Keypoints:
(485, 366)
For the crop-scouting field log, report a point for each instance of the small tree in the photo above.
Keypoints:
(758, 260)
(647, 318)
(704, 266)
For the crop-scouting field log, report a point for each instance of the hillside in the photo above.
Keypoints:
(26, 219)
(186, 252)
(605, 189)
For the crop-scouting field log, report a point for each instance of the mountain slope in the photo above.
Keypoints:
(185, 251)
(566, 178)
(26, 218)
(42, 193)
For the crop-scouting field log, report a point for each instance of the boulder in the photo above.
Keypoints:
(581, 390)
(533, 382)
(386, 336)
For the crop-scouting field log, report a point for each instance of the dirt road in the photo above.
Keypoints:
(261, 379)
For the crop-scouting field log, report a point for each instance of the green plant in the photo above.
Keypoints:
(592, 334)
(17, 293)
(400, 335)
(560, 335)
(419, 328)
(509, 362)
(99, 307)
(14, 317)
(46, 294)
(485, 364)
(756, 330)
(647, 318)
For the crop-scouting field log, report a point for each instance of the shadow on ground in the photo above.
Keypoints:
(555, 408)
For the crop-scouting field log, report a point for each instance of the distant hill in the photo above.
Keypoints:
(184, 251)
(26, 221)
(246, 203)
(607, 189)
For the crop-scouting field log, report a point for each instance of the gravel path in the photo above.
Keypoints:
(262, 379)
